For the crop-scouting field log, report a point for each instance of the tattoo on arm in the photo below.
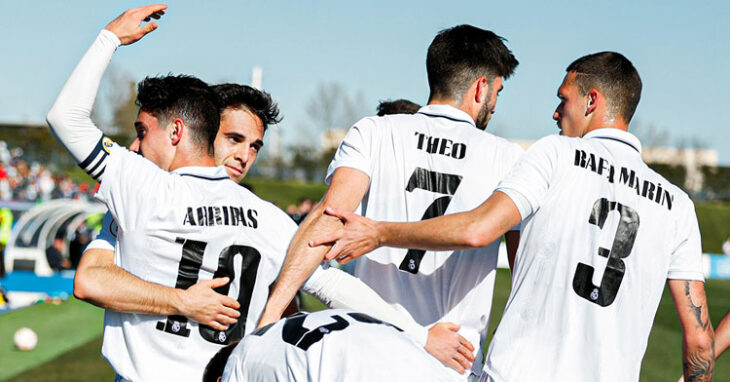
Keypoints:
(698, 368)
(696, 310)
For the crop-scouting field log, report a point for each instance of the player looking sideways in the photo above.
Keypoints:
(198, 226)
(412, 167)
(601, 233)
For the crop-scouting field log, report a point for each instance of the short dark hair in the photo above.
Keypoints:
(459, 55)
(399, 106)
(245, 97)
(613, 75)
(185, 97)
(217, 364)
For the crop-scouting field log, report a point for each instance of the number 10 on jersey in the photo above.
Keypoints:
(188, 273)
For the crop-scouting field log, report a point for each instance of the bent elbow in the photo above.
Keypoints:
(82, 289)
(474, 238)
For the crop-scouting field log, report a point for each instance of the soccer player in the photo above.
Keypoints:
(177, 228)
(601, 233)
(329, 345)
(413, 167)
(246, 114)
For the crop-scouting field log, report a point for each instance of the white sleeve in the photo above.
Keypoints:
(107, 238)
(338, 289)
(70, 116)
(528, 182)
(686, 260)
(355, 149)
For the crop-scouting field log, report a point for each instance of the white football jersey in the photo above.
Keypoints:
(176, 229)
(332, 345)
(605, 234)
(420, 166)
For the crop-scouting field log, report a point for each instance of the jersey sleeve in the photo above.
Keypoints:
(107, 238)
(355, 150)
(70, 117)
(686, 260)
(528, 182)
(133, 187)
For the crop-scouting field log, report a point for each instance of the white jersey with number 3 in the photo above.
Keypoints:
(332, 345)
(176, 229)
(429, 164)
(605, 234)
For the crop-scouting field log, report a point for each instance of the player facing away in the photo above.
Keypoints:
(310, 347)
(601, 234)
(201, 226)
(413, 167)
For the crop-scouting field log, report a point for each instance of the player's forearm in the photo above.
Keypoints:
(70, 116)
(472, 229)
(300, 262)
(698, 357)
(111, 287)
(722, 336)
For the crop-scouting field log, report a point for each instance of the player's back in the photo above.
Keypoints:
(592, 262)
(177, 229)
(332, 345)
(424, 165)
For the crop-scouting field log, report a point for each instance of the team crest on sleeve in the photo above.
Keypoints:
(107, 144)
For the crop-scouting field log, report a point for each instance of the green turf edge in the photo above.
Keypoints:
(82, 364)
(60, 328)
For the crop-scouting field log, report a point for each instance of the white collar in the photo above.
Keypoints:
(616, 135)
(446, 111)
(203, 172)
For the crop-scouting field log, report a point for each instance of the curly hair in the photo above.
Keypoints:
(185, 97)
(245, 97)
(399, 106)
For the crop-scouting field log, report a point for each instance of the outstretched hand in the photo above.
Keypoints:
(358, 237)
(446, 345)
(128, 26)
(201, 303)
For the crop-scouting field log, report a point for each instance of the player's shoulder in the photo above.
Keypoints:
(272, 211)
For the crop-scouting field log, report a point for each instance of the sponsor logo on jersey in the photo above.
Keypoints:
(107, 144)
(626, 176)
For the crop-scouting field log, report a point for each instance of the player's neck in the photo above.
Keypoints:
(200, 160)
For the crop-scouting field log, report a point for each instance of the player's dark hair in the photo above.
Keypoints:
(399, 106)
(217, 364)
(613, 75)
(458, 56)
(185, 97)
(245, 97)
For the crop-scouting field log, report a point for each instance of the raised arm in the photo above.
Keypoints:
(347, 188)
(70, 116)
(698, 356)
(472, 229)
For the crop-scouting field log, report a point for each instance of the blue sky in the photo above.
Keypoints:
(378, 48)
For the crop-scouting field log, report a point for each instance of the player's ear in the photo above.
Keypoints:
(482, 90)
(592, 101)
(176, 132)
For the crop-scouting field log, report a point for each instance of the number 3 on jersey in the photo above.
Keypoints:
(439, 183)
(187, 275)
(623, 242)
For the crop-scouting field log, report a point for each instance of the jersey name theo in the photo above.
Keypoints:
(440, 145)
(626, 176)
(221, 215)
